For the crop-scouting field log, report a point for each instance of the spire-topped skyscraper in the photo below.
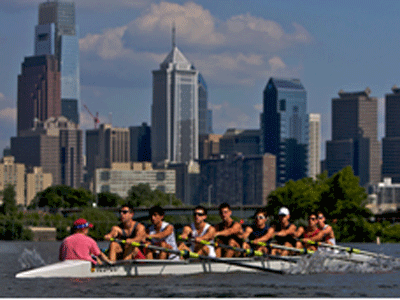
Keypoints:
(57, 34)
(174, 113)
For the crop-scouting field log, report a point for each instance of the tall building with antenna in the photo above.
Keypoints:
(57, 34)
(175, 109)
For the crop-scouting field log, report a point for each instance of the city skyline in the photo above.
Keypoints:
(237, 50)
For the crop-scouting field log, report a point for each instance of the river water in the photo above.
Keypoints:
(379, 283)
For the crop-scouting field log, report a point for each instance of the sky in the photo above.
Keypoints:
(237, 45)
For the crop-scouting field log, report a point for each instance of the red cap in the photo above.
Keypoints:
(82, 223)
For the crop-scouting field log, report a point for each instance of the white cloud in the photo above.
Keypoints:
(226, 115)
(8, 114)
(239, 51)
(2, 97)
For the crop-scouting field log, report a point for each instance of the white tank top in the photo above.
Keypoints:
(331, 240)
(169, 239)
(197, 234)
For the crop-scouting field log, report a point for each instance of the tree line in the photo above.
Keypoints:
(340, 197)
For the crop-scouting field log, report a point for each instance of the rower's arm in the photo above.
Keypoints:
(320, 235)
(209, 235)
(140, 234)
(285, 232)
(235, 229)
(115, 230)
(266, 237)
(162, 234)
(186, 232)
(247, 233)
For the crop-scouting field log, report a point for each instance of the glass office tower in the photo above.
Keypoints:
(175, 115)
(57, 35)
(285, 127)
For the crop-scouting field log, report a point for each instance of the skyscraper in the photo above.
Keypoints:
(391, 141)
(205, 121)
(174, 112)
(105, 146)
(285, 127)
(56, 146)
(354, 136)
(314, 150)
(38, 91)
(56, 34)
(140, 143)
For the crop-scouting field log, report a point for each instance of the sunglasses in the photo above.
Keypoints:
(199, 214)
(124, 211)
(312, 219)
(260, 217)
(320, 218)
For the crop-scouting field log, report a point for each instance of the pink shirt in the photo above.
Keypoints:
(79, 246)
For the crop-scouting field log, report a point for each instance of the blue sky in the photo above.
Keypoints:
(236, 45)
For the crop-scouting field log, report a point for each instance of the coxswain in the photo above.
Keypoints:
(258, 232)
(80, 246)
(129, 231)
(284, 232)
(198, 231)
(228, 232)
(161, 234)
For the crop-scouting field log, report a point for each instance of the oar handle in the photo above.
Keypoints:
(183, 253)
(216, 244)
(301, 251)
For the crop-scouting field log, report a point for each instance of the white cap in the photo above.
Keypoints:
(284, 211)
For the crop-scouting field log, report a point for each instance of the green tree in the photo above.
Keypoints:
(107, 199)
(142, 195)
(339, 197)
(62, 196)
(9, 206)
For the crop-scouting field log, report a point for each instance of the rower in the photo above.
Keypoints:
(80, 246)
(325, 234)
(199, 231)
(258, 232)
(311, 231)
(228, 232)
(161, 234)
(284, 232)
(129, 231)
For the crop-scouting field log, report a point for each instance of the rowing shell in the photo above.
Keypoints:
(85, 269)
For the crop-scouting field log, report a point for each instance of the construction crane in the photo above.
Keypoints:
(95, 118)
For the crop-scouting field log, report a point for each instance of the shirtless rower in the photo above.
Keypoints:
(228, 232)
(258, 232)
(199, 230)
(311, 231)
(284, 232)
(161, 234)
(129, 230)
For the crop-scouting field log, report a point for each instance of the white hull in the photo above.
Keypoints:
(84, 269)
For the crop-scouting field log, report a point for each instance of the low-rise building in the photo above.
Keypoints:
(13, 173)
(120, 178)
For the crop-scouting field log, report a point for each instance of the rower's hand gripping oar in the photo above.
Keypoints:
(190, 254)
(249, 252)
(301, 251)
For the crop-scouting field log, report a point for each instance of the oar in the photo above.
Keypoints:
(249, 252)
(301, 251)
(189, 254)
(348, 249)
